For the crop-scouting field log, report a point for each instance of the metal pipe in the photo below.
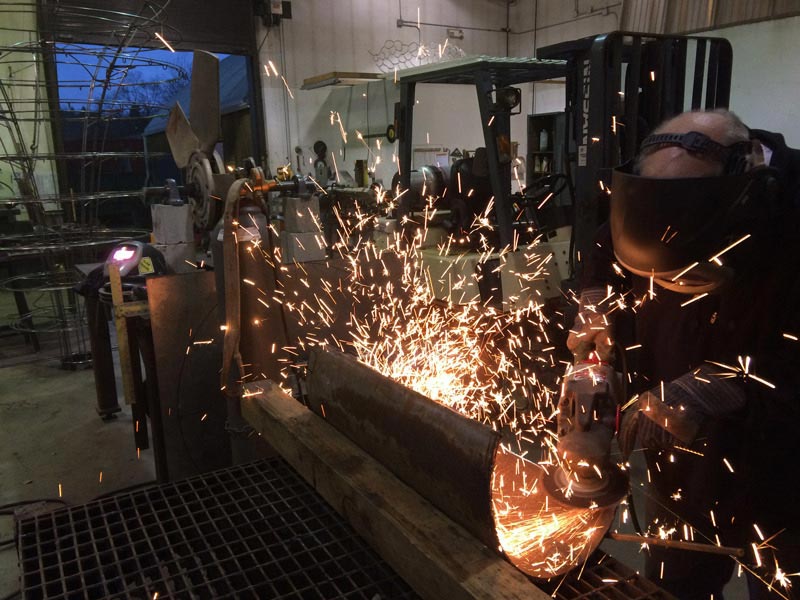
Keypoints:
(102, 358)
(602, 11)
(404, 23)
(677, 544)
(508, 25)
(401, 22)
(446, 457)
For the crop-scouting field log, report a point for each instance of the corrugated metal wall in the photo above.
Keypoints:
(685, 16)
(644, 15)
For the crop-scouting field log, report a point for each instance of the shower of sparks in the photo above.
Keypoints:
(516, 166)
(335, 168)
(715, 258)
(318, 186)
(756, 554)
(543, 202)
(743, 371)
(393, 294)
(686, 270)
(470, 356)
(370, 154)
(540, 537)
(165, 42)
(694, 299)
(286, 85)
(336, 119)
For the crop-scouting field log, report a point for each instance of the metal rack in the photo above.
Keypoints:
(38, 106)
(249, 531)
(55, 308)
(60, 185)
(42, 280)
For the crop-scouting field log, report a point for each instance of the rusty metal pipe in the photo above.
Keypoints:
(444, 456)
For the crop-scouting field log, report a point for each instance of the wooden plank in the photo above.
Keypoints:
(121, 324)
(138, 308)
(437, 557)
(340, 77)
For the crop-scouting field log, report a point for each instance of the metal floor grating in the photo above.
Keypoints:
(606, 578)
(249, 531)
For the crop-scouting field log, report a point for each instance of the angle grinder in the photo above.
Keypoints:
(588, 415)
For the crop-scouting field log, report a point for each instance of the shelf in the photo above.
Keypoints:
(545, 159)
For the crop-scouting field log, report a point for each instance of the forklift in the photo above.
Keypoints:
(618, 87)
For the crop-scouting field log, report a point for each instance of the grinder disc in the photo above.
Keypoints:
(587, 492)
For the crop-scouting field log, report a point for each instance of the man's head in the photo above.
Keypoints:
(690, 194)
(671, 160)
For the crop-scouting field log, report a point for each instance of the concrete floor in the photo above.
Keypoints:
(50, 435)
(632, 555)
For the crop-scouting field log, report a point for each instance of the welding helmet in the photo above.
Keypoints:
(137, 262)
(136, 259)
(674, 229)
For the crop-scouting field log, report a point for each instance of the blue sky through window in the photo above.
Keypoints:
(140, 77)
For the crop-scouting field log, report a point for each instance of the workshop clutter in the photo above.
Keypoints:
(173, 235)
(301, 238)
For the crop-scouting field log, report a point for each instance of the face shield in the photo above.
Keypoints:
(675, 230)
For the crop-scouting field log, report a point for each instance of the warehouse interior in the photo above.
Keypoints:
(287, 288)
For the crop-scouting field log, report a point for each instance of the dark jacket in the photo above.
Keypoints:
(746, 319)
(786, 160)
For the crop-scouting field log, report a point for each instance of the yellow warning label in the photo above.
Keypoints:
(146, 266)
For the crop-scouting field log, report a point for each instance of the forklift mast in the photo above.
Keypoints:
(492, 78)
(619, 87)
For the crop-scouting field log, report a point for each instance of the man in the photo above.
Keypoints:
(784, 159)
(702, 249)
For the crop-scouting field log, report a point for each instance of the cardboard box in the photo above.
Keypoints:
(176, 256)
(302, 247)
(561, 258)
(301, 215)
(172, 224)
(454, 277)
(527, 277)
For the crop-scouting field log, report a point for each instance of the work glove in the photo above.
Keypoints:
(587, 412)
(590, 336)
(661, 423)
